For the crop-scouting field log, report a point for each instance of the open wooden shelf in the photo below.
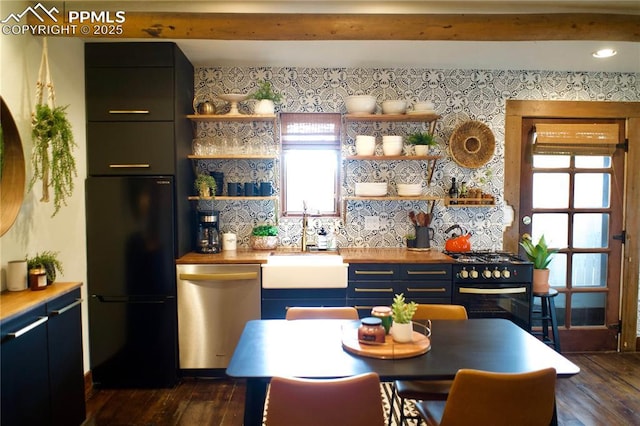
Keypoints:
(392, 157)
(229, 117)
(392, 117)
(233, 157)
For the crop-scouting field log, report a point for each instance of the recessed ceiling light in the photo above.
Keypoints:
(604, 53)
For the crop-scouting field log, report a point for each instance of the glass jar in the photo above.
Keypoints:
(385, 314)
(371, 331)
(37, 279)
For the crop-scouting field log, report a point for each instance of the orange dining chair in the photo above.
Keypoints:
(432, 390)
(342, 312)
(497, 399)
(348, 401)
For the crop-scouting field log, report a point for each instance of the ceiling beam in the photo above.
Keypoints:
(466, 27)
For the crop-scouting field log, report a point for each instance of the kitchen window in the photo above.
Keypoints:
(310, 163)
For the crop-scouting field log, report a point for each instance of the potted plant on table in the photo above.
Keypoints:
(421, 142)
(264, 237)
(47, 260)
(541, 256)
(266, 98)
(205, 186)
(402, 312)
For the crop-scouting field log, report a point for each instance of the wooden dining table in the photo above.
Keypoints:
(314, 349)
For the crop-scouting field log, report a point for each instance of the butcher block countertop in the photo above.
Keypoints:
(350, 255)
(13, 303)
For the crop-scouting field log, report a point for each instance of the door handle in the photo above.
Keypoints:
(427, 290)
(66, 308)
(374, 272)
(232, 276)
(373, 290)
(24, 330)
(427, 272)
(514, 290)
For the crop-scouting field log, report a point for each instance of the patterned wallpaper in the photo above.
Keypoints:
(458, 95)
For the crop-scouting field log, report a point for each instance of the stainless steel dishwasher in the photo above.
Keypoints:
(214, 303)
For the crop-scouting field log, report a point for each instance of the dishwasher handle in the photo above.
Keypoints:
(220, 276)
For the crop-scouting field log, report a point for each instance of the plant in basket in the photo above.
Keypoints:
(264, 237)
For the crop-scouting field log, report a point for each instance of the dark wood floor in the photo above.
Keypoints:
(606, 392)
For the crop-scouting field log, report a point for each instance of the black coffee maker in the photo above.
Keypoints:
(208, 235)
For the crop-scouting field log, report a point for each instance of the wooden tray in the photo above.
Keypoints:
(389, 349)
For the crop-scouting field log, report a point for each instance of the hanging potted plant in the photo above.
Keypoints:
(402, 312)
(266, 98)
(421, 142)
(541, 256)
(52, 156)
(205, 186)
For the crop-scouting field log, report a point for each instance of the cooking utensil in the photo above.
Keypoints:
(412, 217)
(457, 243)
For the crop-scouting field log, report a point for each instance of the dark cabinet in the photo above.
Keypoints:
(42, 367)
(66, 369)
(275, 302)
(130, 94)
(129, 148)
(25, 370)
(376, 284)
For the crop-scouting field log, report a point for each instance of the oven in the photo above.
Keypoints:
(493, 285)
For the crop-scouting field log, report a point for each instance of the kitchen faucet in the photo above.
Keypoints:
(304, 225)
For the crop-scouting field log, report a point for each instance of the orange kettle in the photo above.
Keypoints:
(457, 243)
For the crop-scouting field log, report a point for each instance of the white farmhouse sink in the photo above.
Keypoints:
(305, 271)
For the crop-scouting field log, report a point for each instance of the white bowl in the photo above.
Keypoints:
(360, 104)
(424, 106)
(397, 106)
(365, 145)
(392, 145)
(371, 189)
(409, 189)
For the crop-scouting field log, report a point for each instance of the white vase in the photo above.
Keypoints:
(402, 333)
(421, 149)
(264, 107)
(17, 275)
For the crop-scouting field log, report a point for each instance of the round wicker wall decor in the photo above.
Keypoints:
(472, 144)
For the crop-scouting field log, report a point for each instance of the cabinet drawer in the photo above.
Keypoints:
(130, 148)
(130, 94)
(369, 289)
(373, 271)
(141, 54)
(424, 272)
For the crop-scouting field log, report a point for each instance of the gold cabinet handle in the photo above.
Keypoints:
(427, 272)
(238, 276)
(129, 166)
(427, 290)
(373, 290)
(374, 272)
(128, 111)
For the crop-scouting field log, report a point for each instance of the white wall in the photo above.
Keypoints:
(35, 230)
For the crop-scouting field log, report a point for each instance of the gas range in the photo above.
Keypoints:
(490, 267)
(492, 284)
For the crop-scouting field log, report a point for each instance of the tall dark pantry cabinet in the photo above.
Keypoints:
(138, 213)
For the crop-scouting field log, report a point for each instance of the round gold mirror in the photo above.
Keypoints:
(12, 178)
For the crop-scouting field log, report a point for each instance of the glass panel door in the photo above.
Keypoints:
(575, 201)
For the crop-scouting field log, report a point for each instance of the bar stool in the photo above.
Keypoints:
(547, 316)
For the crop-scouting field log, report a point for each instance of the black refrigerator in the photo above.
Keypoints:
(131, 248)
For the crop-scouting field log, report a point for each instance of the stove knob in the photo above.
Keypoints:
(496, 273)
(464, 274)
(486, 273)
(473, 274)
(506, 273)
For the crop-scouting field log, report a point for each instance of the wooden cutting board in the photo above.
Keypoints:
(389, 349)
